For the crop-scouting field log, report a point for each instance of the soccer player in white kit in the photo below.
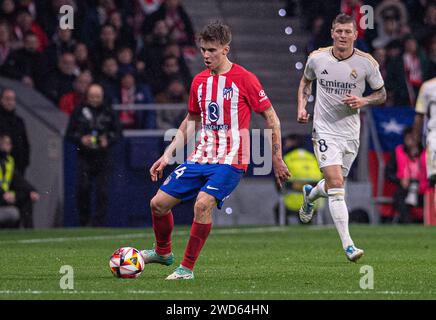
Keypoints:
(426, 106)
(340, 72)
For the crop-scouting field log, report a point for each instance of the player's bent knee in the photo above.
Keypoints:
(335, 183)
(202, 206)
(203, 209)
(157, 207)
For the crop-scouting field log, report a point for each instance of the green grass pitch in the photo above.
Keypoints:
(297, 262)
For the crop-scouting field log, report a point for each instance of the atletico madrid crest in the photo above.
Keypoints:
(228, 93)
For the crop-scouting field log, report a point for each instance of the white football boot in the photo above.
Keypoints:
(353, 254)
(307, 209)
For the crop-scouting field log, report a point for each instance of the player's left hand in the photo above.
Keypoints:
(354, 102)
(156, 170)
(281, 172)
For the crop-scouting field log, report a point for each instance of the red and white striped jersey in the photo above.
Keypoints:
(225, 103)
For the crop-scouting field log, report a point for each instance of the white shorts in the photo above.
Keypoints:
(431, 154)
(334, 150)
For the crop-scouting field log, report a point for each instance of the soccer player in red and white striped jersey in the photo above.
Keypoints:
(221, 100)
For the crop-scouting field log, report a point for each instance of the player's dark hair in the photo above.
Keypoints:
(344, 18)
(216, 31)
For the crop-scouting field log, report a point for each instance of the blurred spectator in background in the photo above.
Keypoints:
(77, 97)
(432, 56)
(123, 30)
(391, 18)
(83, 61)
(103, 30)
(406, 168)
(379, 55)
(25, 24)
(135, 15)
(170, 70)
(104, 9)
(93, 128)
(108, 44)
(7, 11)
(132, 93)
(172, 49)
(318, 38)
(179, 25)
(24, 64)
(406, 73)
(394, 49)
(13, 125)
(15, 191)
(174, 93)
(149, 6)
(5, 42)
(60, 81)
(155, 45)
(30, 6)
(108, 79)
(426, 27)
(62, 41)
(125, 60)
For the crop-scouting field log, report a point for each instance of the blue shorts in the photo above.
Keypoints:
(188, 179)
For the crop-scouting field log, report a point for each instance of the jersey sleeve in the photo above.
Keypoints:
(193, 106)
(309, 69)
(374, 77)
(256, 96)
(422, 101)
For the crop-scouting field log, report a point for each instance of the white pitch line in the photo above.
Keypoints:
(145, 235)
(152, 292)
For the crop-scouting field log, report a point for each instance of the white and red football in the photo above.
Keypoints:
(126, 262)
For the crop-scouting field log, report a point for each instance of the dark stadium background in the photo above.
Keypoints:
(271, 38)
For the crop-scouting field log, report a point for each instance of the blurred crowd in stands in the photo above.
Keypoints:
(402, 40)
(119, 52)
(136, 49)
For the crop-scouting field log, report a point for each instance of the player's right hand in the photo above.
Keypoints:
(156, 170)
(303, 116)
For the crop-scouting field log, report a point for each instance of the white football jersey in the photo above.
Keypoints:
(335, 79)
(426, 102)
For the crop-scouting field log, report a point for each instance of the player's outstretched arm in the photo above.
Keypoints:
(281, 171)
(375, 98)
(304, 92)
(185, 132)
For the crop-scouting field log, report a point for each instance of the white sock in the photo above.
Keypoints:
(318, 191)
(339, 212)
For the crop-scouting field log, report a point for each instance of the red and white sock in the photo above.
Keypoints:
(163, 227)
(197, 238)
